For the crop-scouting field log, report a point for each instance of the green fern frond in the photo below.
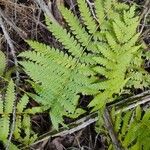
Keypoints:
(86, 16)
(138, 113)
(4, 127)
(116, 57)
(100, 13)
(22, 104)
(75, 26)
(126, 120)
(18, 126)
(10, 98)
(26, 124)
(60, 77)
(69, 42)
(1, 105)
(2, 63)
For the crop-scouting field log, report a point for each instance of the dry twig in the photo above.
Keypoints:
(46, 10)
(109, 127)
(19, 31)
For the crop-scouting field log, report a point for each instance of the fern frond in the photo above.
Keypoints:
(126, 119)
(60, 81)
(1, 105)
(10, 98)
(86, 16)
(75, 26)
(4, 127)
(99, 65)
(69, 42)
(100, 13)
(2, 63)
(22, 103)
(138, 113)
(27, 125)
(118, 122)
(18, 126)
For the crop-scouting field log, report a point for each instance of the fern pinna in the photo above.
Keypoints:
(22, 132)
(100, 58)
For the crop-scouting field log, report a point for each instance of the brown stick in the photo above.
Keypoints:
(109, 127)
(19, 31)
(45, 9)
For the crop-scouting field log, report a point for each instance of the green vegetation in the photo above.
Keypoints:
(101, 56)
(132, 128)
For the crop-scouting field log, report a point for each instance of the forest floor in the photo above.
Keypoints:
(24, 19)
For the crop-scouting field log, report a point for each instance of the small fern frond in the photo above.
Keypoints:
(10, 98)
(69, 42)
(86, 16)
(126, 120)
(18, 126)
(26, 124)
(22, 103)
(4, 127)
(2, 63)
(75, 26)
(1, 105)
(100, 13)
(138, 113)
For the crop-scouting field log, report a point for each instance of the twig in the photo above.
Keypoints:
(12, 50)
(72, 7)
(109, 127)
(72, 128)
(131, 102)
(46, 10)
(20, 32)
(91, 8)
(141, 101)
(144, 20)
(144, 14)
